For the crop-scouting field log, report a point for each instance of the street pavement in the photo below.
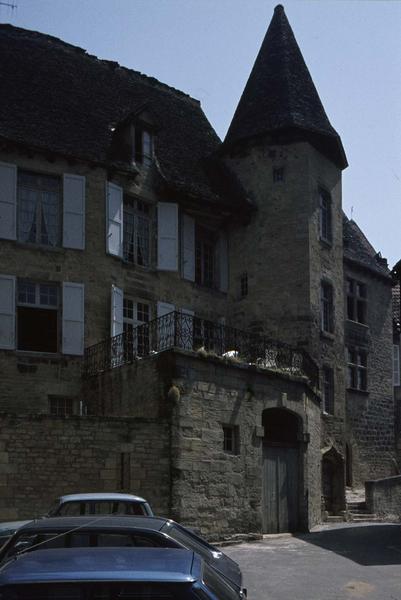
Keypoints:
(337, 562)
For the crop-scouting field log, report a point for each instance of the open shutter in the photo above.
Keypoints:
(73, 318)
(8, 201)
(7, 312)
(117, 296)
(188, 248)
(222, 255)
(167, 241)
(74, 211)
(114, 219)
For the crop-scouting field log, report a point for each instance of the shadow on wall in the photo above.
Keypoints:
(366, 545)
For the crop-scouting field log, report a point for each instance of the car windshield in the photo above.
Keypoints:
(99, 507)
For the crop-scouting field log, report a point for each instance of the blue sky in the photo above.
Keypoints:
(207, 48)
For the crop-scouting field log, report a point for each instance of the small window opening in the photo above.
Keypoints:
(328, 390)
(60, 406)
(244, 285)
(231, 439)
(278, 175)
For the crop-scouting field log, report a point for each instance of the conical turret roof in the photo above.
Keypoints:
(281, 96)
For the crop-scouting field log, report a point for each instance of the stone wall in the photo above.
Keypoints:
(42, 457)
(370, 414)
(383, 497)
(219, 491)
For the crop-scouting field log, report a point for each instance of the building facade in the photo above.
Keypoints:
(189, 319)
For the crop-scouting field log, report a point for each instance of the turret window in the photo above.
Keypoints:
(327, 307)
(356, 301)
(326, 233)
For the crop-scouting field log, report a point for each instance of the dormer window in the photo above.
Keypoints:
(142, 145)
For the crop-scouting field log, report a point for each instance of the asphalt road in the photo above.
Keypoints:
(343, 562)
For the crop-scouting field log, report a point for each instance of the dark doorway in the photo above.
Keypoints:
(333, 481)
(280, 495)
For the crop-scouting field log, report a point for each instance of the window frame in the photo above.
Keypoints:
(206, 265)
(37, 304)
(328, 390)
(64, 406)
(140, 344)
(38, 212)
(357, 366)
(142, 144)
(357, 303)
(325, 216)
(138, 210)
(231, 443)
(326, 307)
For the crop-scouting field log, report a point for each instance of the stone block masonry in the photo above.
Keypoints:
(42, 457)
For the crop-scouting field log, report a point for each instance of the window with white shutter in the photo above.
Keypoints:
(74, 211)
(8, 201)
(7, 312)
(114, 219)
(167, 246)
(117, 301)
(73, 318)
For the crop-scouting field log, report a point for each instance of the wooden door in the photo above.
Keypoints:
(280, 489)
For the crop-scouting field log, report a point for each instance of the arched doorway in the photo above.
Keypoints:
(333, 488)
(280, 496)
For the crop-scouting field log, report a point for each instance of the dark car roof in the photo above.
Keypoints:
(101, 522)
(100, 564)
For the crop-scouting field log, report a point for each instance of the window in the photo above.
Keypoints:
(396, 365)
(357, 369)
(143, 146)
(327, 307)
(231, 439)
(60, 406)
(39, 209)
(205, 264)
(244, 285)
(37, 316)
(136, 314)
(328, 390)
(326, 233)
(356, 301)
(136, 236)
(278, 175)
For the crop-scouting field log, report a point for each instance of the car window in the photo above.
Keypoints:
(191, 542)
(101, 507)
(70, 509)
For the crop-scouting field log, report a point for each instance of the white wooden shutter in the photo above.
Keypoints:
(73, 318)
(167, 236)
(222, 253)
(8, 201)
(114, 219)
(74, 211)
(7, 312)
(164, 308)
(188, 247)
(117, 296)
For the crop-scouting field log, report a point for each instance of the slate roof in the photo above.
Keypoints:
(280, 95)
(359, 250)
(66, 101)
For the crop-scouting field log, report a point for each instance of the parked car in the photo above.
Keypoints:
(8, 528)
(118, 531)
(110, 573)
(72, 505)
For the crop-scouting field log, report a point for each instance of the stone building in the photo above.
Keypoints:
(175, 310)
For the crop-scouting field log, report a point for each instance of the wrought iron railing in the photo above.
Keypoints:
(187, 332)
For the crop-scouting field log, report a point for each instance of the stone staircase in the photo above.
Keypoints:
(356, 507)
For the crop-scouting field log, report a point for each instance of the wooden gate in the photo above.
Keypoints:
(280, 488)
